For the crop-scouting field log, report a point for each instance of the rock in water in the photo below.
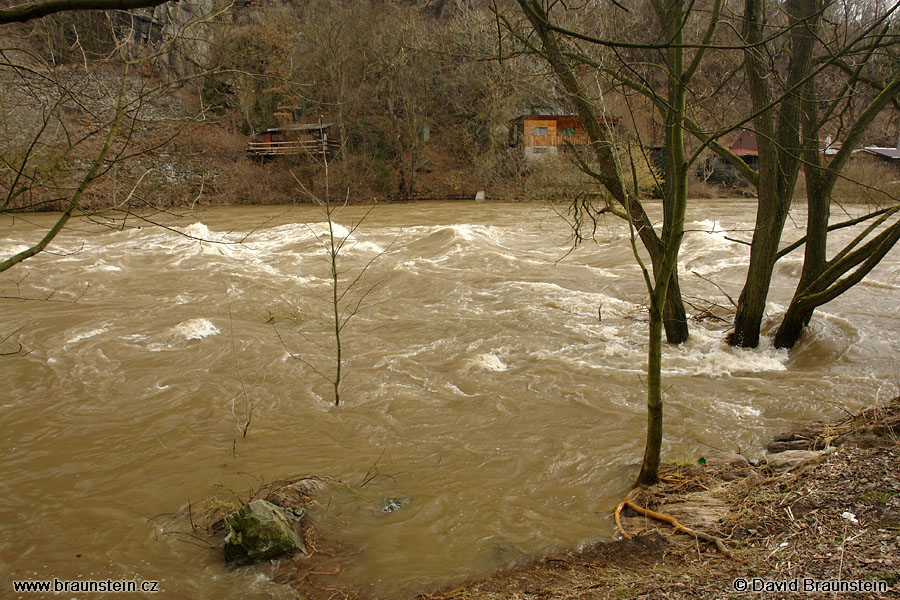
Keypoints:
(389, 505)
(259, 531)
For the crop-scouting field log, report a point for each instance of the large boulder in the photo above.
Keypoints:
(790, 459)
(259, 531)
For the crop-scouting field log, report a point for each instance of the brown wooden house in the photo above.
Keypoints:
(717, 170)
(745, 146)
(312, 139)
(540, 135)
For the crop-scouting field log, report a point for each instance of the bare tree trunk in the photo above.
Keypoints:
(818, 200)
(673, 316)
(649, 474)
(779, 155)
(671, 16)
(816, 285)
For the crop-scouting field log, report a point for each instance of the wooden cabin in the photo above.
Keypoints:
(745, 146)
(718, 170)
(540, 135)
(311, 139)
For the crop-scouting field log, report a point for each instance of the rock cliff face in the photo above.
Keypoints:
(187, 27)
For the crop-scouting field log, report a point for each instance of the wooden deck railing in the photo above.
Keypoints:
(312, 147)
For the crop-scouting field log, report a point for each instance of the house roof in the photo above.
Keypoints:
(892, 153)
(745, 144)
(301, 127)
(573, 118)
(307, 126)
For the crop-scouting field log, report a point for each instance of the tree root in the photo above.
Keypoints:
(618, 512)
(716, 541)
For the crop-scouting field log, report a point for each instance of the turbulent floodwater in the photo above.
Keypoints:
(480, 383)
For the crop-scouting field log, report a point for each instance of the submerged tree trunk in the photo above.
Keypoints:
(752, 301)
(779, 154)
(818, 200)
(816, 285)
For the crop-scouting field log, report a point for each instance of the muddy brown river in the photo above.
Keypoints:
(480, 384)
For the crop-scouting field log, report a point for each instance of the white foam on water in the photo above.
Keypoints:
(196, 329)
(744, 411)
(600, 272)
(86, 334)
(208, 243)
(710, 232)
(791, 265)
(356, 245)
(472, 232)
(707, 353)
(874, 283)
(456, 390)
(408, 266)
(577, 301)
(622, 347)
(487, 362)
(12, 249)
(198, 230)
(707, 267)
(216, 249)
(102, 265)
(320, 230)
(707, 251)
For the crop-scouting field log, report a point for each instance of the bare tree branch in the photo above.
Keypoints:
(22, 13)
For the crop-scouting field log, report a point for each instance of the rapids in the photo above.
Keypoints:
(480, 383)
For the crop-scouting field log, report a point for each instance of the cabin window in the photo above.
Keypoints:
(568, 131)
(540, 131)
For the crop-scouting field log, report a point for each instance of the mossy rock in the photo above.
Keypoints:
(259, 531)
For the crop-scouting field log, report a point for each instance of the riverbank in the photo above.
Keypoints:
(823, 509)
(819, 513)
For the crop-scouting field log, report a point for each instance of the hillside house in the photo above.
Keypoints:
(541, 135)
(311, 139)
(717, 170)
(745, 147)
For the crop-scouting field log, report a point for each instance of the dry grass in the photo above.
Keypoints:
(869, 182)
(697, 188)
(863, 182)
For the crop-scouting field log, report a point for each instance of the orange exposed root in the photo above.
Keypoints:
(716, 541)
(618, 512)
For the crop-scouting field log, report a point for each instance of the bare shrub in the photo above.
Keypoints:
(697, 188)
(248, 181)
(868, 182)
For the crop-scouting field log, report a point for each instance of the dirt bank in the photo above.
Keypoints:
(829, 516)
(821, 511)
